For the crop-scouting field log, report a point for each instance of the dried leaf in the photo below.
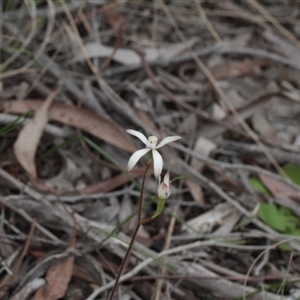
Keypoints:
(207, 221)
(218, 112)
(228, 223)
(80, 118)
(213, 130)
(262, 125)
(196, 192)
(237, 68)
(188, 125)
(58, 278)
(284, 194)
(279, 189)
(84, 274)
(130, 57)
(114, 16)
(59, 275)
(27, 142)
(204, 147)
(11, 277)
(281, 44)
(126, 209)
(146, 120)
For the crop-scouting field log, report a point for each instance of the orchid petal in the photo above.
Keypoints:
(157, 163)
(168, 140)
(167, 179)
(135, 158)
(138, 135)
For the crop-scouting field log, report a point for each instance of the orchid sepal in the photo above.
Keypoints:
(168, 140)
(135, 157)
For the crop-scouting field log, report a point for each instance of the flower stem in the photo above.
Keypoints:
(136, 229)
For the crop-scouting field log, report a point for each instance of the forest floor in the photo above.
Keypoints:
(224, 75)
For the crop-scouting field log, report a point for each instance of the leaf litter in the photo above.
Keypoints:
(231, 204)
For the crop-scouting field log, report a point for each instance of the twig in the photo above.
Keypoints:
(9, 280)
(56, 131)
(251, 149)
(143, 264)
(26, 41)
(223, 96)
(35, 195)
(42, 266)
(211, 185)
(276, 24)
(28, 218)
(245, 167)
(183, 248)
(262, 264)
(220, 48)
(29, 288)
(207, 22)
(116, 100)
(43, 12)
(173, 98)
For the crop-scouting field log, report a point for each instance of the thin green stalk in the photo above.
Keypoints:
(57, 147)
(142, 193)
(12, 125)
(137, 227)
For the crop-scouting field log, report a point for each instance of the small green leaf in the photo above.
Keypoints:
(272, 216)
(181, 177)
(285, 247)
(259, 186)
(295, 232)
(12, 125)
(159, 209)
(293, 172)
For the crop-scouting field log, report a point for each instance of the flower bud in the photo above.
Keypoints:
(163, 190)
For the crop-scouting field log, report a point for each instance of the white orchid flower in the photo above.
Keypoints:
(151, 145)
(163, 190)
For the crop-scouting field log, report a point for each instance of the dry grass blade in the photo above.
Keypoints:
(80, 118)
(27, 142)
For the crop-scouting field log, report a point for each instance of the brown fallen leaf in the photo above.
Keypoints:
(81, 118)
(283, 193)
(114, 15)
(196, 192)
(29, 136)
(237, 68)
(278, 188)
(129, 57)
(82, 273)
(58, 278)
